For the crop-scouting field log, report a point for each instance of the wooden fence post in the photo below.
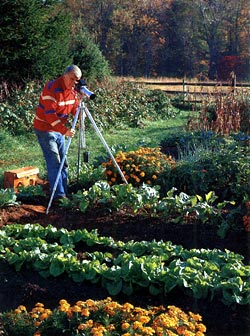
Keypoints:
(184, 89)
(233, 81)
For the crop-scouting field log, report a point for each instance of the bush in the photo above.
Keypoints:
(120, 105)
(123, 104)
(18, 111)
(141, 166)
(103, 317)
(224, 170)
(223, 114)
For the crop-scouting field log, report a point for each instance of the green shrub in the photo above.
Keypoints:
(224, 171)
(7, 197)
(18, 111)
(126, 104)
(117, 105)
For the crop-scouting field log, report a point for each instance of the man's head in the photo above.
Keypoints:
(71, 76)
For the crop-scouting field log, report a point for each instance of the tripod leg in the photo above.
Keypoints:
(104, 143)
(62, 162)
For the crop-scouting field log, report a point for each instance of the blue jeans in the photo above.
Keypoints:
(53, 147)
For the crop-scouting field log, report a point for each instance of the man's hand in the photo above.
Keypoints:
(70, 133)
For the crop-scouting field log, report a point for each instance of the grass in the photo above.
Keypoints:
(21, 151)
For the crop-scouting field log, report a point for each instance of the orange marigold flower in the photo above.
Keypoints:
(128, 306)
(76, 309)
(17, 311)
(43, 316)
(201, 327)
(39, 304)
(90, 303)
(63, 302)
(144, 319)
(125, 325)
(85, 312)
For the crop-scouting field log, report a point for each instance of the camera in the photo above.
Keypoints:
(81, 87)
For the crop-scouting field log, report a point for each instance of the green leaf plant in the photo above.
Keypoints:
(158, 266)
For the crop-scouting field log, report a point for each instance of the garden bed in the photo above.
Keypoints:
(27, 287)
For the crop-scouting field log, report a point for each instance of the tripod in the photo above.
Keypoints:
(82, 111)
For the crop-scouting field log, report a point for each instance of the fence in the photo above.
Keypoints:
(194, 91)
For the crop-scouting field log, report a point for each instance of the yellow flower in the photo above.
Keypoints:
(125, 325)
(17, 311)
(76, 309)
(63, 302)
(137, 325)
(154, 177)
(85, 312)
(43, 316)
(128, 306)
(110, 327)
(81, 326)
(201, 327)
(181, 330)
(195, 317)
(144, 319)
(22, 308)
(80, 303)
(142, 174)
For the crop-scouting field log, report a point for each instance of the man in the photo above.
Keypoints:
(57, 101)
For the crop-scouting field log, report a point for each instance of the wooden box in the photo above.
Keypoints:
(24, 176)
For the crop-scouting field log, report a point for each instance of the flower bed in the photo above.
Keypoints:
(103, 317)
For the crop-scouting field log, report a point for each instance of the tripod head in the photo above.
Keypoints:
(81, 87)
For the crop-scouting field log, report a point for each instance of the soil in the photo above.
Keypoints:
(27, 287)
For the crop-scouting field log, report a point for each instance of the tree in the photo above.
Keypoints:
(35, 37)
(220, 29)
(88, 57)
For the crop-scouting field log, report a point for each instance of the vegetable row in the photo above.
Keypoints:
(158, 266)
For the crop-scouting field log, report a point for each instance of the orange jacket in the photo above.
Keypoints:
(55, 104)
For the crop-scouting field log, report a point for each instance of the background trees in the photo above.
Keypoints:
(174, 37)
(140, 38)
(34, 37)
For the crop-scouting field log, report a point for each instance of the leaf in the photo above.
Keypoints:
(66, 239)
(39, 265)
(193, 200)
(114, 288)
(200, 292)
(57, 267)
(45, 274)
(78, 276)
(210, 197)
(127, 288)
(138, 248)
(155, 290)
(170, 283)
